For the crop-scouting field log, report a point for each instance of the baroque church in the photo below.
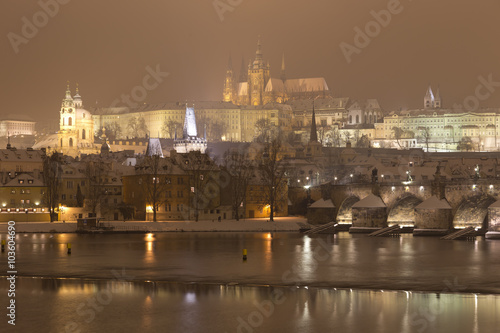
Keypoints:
(76, 127)
(255, 85)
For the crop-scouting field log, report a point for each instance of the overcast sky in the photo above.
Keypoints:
(107, 45)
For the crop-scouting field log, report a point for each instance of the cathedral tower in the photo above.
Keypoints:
(229, 94)
(258, 76)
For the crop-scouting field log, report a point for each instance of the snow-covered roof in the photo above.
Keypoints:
(275, 85)
(434, 203)
(496, 204)
(154, 147)
(242, 88)
(304, 85)
(321, 203)
(371, 201)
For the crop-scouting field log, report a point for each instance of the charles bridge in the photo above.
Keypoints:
(470, 204)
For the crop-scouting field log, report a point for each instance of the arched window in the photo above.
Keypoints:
(357, 119)
(350, 119)
(61, 143)
(83, 134)
(370, 118)
(70, 141)
(70, 121)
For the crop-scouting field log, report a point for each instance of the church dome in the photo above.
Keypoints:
(83, 114)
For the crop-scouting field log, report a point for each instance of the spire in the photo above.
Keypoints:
(314, 135)
(243, 71)
(230, 64)
(258, 63)
(68, 92)
(9, 146)
(189, 123)
(283, 73)
(77, 98)
(429, 93)
(258, 53)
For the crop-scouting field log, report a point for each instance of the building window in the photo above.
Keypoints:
(168, 180)
(69, 184)
(70, 121)
(180, 194)
(63, 196)
(180, 181)
(71, 141)
(83, 133)
(12, 191)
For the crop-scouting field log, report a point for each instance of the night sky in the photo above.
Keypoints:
(106, 46)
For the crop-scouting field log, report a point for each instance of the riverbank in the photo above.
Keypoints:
(247, 225)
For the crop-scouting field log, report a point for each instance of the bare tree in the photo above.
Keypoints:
(216, 130)
(94, 174)
(273, 170)
(363, 142)
(155, 183)
(262, 130)
(322, 131)
(112, 130)
(169, 128)
(240, 168)
(333, 137)
(465, 144)
(398, 134)
(52, 173)
(347, 137)
(425, 134)
(137, 127)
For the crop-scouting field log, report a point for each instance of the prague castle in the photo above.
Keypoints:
(257, 102)
(255, 85)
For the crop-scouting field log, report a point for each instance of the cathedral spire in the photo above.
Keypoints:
(259, 49)
(258, 63)
(243, 71)
(283, 72)
(230, 64)
(314, 135)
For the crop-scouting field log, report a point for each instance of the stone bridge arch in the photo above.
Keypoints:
(473, 211)
(403, 210)
(344, 214)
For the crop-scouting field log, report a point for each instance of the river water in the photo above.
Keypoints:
(198, 282)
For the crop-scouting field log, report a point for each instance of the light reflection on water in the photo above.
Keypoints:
(406, 263)
(214, 261)
(109, 306)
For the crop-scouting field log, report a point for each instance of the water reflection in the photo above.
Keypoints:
(101, 305)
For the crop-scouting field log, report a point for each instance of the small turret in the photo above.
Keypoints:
(77, 99)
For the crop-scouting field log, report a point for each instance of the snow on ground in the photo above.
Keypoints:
(255, 225)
